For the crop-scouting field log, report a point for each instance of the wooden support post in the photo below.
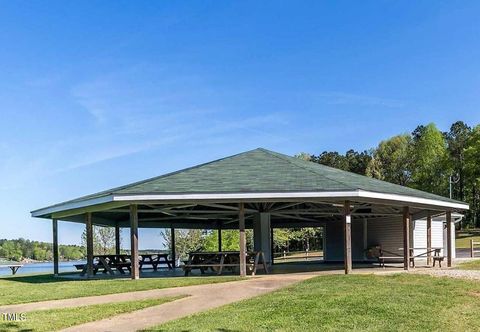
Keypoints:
(449, 238)
(89, 231)
(172, 243)
(134, 241)
(55, 247)
(406, 238)
(347, 238)
(365, 238)
(272, 259)
(472, 253)
(243, 243)
(117, 239)
(219, 239)
(429, 239)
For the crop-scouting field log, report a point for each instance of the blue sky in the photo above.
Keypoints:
(98, 94)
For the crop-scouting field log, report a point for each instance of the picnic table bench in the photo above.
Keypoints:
(13, 267)
(223, 260)
(111, 263)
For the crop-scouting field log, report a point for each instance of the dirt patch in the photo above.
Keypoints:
(474, 294)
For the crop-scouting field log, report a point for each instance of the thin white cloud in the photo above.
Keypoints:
(123, 116)
(130, 117)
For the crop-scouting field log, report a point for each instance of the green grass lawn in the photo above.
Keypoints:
(23, 289)
(471, 265)
(56, 319)
(399, 302)
(462, 238)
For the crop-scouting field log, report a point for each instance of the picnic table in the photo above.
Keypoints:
(385, 255)
(223, 260)
(436, 255)
(154, 260)
(111, 263)
(13, 267)
(107, 264)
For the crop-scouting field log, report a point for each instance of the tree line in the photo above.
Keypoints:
(21, 249)
(426, 159)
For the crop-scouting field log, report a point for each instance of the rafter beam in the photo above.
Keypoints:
(171, 206)
(285, 206)
(287, 216)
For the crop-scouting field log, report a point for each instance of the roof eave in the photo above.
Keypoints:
(50, 210)
(453, 205)
(124, 199)
(354, 194)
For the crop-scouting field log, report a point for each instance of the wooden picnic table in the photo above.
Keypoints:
(436, 255)
(385, 255)
(154, 260)
(223, 260)
(13, 267)
(110, 263)
(107, 264)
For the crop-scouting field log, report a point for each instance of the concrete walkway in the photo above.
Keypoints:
(200, 298)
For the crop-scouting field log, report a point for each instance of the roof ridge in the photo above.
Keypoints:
(289, 159)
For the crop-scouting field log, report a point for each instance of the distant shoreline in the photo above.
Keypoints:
(32, 261)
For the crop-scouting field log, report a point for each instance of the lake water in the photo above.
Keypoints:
(41, 268)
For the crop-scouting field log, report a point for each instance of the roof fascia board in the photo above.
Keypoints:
(91, 208)
(236, 197)
(398, 199)
(411, 199)
(72, 206)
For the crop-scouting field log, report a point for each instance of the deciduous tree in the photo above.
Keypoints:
(431, 169)
(392, 160)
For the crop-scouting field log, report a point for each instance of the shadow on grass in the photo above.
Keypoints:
(37, 279)
(71, 277)
(11, 326)
(218, 329)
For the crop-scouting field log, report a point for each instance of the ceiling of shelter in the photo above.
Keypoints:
(214, 215)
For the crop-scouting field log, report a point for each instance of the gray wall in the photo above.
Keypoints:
(384, 232)
(334, 241)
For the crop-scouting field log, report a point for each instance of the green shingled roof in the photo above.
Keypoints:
(261, 170)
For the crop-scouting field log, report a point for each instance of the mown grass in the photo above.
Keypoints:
(470, 265)
(462, 238)
(402, 302)
(23, 289)
(56, 319)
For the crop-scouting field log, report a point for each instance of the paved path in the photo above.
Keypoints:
(200, 298)
(462, 253)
